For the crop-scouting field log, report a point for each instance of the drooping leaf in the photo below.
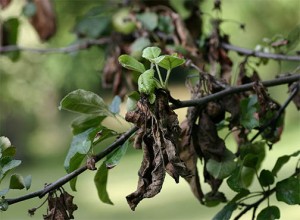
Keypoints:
(8, 165)
(114, 158)
(115, 105)
(169, 62)
(149, 20)
(100, 181)
(10, 29)
(248, 107)
(234, 181)
(86, 102)
(150, 53)
(251, 161)
(281, 161)
(131, 63)
(226, 212)
(81, 144)
(85, 122)
(75, 163)
(132, 100)
(269, 213)
(212, 199)
(288, 190)
(18, 182)
(222, 169)
(146, 82)
(266, 178)
(44, 21)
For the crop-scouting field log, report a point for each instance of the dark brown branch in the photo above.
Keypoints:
(69, 49)
(237, 89)
(63, 180)
(181, 104)
(254, 53)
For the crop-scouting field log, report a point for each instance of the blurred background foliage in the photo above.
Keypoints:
(32, 87)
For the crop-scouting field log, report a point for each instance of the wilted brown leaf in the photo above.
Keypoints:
(44, 20)
(158, 135)
(296, 98)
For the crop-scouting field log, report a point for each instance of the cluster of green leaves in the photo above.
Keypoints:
(241, 172)
(147, 83)
(7, 164)
(89, 133)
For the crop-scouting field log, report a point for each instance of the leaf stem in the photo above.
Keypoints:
(159, 75)
(167, 78)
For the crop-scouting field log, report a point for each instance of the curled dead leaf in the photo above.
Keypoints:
(44, 20)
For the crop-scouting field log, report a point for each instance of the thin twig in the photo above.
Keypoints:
(69, 49)
(68, 177)
(273, 121)
(181, 104)
(236, 89)
(254, 53)
(267, 194)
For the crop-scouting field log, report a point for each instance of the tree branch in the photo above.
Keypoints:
(254, 53)
(69, 49)
(266, 195)
(63, 180)
(236, 89)
(181, 104)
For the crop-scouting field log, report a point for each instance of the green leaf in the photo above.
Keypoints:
(281, 161)
(75, 163)
(93, 24)
(149, 20)
(251, 160)
(247, 176)
(226, 212)
(87, 102)
(100, 181)
(214, 198)
(86, 122)
(114, 157)
(249, 106)
(150, 53)
(8, 166)
(10, 29)
(165, 24)
(4, 143)
(234, 181)
(131, 63)
(138, 45)
(132, 100)
(266, 178)
(18, 182)
(146, 82)
(252, 154)
(115, 105)
(288, 190)
(169, 62)
(9, 152)
(293, 38)
(269, 213)
(81, 144)
(222, 169)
